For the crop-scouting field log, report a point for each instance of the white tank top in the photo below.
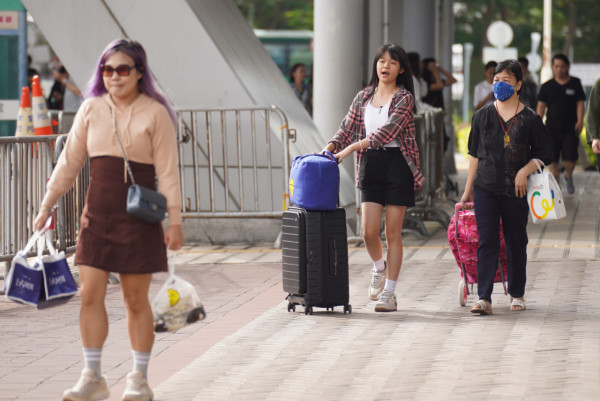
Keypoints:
(375, 118)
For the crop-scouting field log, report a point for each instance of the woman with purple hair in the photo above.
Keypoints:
(121, 99)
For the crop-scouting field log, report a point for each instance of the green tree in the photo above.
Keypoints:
(574, 25)
(278, 14)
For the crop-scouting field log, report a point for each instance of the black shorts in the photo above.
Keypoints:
(565, 142)
(385, 178)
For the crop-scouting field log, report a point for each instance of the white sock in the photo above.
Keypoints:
(91, 359)
(379, 265)
(140, 362)
(390, 285)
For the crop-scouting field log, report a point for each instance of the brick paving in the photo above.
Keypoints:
(251, 348)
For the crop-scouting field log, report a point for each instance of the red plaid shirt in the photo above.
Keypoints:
(400, 125)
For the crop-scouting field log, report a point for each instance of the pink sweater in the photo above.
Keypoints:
(147, 133)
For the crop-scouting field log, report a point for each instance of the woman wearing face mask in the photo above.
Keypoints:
(505, 139)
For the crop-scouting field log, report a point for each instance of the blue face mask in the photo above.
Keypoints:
(503, 91)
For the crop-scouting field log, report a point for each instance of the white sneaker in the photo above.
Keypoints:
(387, 302)
(88, 388)
(377, 283)
(137, 388)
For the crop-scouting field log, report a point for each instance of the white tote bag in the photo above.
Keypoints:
(544, 197)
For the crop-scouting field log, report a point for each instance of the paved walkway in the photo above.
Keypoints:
(251, 348)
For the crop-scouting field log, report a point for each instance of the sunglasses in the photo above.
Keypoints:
(123, 70)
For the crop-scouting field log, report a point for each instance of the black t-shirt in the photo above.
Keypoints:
(499, 162)
(561, 102)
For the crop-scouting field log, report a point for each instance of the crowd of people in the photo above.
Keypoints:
(506, 141)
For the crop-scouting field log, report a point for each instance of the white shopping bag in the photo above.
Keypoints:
(544, 197)
(176, 304)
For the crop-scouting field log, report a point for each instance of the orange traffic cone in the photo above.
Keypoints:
(25, 118)
(41, 120)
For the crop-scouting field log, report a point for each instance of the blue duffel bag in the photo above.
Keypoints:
(315, 181)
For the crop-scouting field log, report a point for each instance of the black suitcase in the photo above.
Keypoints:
(315, 259)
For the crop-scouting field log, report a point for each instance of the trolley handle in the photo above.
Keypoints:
(457, 208)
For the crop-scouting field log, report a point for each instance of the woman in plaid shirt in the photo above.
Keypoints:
(380, 127)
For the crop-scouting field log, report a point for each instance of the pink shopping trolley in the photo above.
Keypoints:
(464, 241)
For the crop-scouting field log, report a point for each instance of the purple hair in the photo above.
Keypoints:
(146, 84)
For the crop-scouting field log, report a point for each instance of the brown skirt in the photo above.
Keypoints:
(109, 238)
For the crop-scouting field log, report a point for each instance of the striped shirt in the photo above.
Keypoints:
(400, 126)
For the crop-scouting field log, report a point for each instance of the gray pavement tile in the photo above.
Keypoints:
(429, 350)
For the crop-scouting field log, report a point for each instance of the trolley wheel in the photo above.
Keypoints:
(291, 307)
(308, 310)
(347, 308)
(462, 293)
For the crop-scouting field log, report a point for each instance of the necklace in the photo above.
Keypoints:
(506, 137)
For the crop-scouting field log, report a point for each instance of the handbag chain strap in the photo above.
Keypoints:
(121, 145)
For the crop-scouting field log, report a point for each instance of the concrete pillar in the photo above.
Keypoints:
(338, 69)
(375, 32)
(413, 25)
(445, 58)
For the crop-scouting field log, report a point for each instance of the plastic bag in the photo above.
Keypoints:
(176, 304)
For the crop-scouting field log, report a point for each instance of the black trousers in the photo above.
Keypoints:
(514, 212)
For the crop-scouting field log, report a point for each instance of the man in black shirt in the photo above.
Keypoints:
(562, 99)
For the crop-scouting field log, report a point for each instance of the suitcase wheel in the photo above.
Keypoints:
(308, 310)
(291, 307)
(347, 308)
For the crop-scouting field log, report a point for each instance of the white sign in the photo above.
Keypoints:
(498, 54)
(9, 20)
(9, 109)
(499, 34)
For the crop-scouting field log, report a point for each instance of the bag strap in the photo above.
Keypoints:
(329, 155)
(36, 234)
(171, 260)
(537, 163)
(121, 145)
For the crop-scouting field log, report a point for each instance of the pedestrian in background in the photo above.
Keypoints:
(505, 139)
(121, 97)
(437, 79)
(302, 90)
(380, 127)
(562, 100)
(592, 120)
(419, 83)
(528, 94)
(483, 94)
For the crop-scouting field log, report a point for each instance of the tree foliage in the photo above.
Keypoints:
(574, 25)
(278, 14)
(574, 22)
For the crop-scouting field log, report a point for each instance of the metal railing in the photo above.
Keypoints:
(430, 140)
(236, 152)
(26, 163)
(220, 177)
(62, 121)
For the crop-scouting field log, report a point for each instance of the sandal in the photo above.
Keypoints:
(482, 307)
(517, 304)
